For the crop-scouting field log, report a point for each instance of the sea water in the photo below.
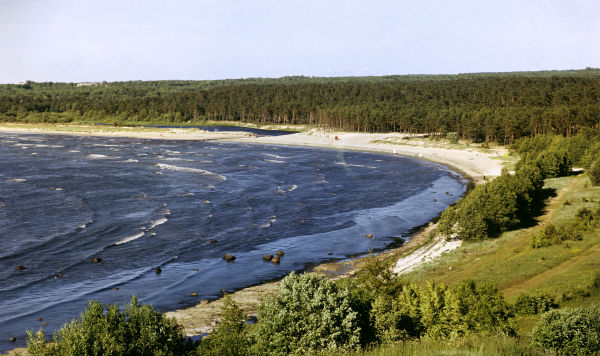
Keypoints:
(136, 204)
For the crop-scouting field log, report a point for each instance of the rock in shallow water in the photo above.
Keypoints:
(267, 258)
(229, 257)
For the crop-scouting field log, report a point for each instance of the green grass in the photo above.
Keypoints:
(475, 345)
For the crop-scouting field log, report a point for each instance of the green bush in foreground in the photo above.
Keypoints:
(309, 313)
(438, 311)
(138, 330)
(569, 331)
(230, 337)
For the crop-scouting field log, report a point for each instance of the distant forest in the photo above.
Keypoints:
(497, 107)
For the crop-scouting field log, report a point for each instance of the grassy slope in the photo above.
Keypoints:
(510, 262)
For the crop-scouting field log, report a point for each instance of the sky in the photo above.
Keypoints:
(118, 40)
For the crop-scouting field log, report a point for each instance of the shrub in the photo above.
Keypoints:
(230, 337)
(530, 304)
(553, 163)
(452, 137)
(438, 311)
(139, 330)
(569, 331)
(309, 313)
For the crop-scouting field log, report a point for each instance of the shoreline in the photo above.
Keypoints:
(473, 163)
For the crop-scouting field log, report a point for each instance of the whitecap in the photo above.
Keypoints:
(292, 188)
(274, 156)
(83, 226)
(16, 180)
(73, 151)
(274, 161)
(99, 156)
(157, 222)
(130, 161)
(354, 165)
(130, 238)
(189, 194)
(190, 170)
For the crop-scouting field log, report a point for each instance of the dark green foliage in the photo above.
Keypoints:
(138, 330)
(569, 331)
(493, 207)
(439, 311)
(309, 313)
(553, 163)
(230, 337)
(499, 107)
(594, 172)
(530, 304)
(452, 137)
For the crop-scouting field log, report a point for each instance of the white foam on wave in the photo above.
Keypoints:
(175, 159)
(157, 222)
(190, 170)
(73, 151)
(274, 161)
(354, 165)
(130, 238)
(51, 146)
(274, 156)
(16, 180)
(130, 161)
(83, 226)
(99, 156)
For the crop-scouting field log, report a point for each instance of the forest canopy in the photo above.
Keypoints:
(498, 107)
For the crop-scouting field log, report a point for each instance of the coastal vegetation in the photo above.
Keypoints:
(526, 280)
(490, 107)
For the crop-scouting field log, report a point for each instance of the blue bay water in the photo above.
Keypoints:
(140, 204)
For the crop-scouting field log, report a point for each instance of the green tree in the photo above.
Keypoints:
(139, 330)
(308, 314)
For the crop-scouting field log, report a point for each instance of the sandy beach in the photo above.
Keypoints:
(476, 163)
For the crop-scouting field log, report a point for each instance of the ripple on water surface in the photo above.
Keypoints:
(88, 224)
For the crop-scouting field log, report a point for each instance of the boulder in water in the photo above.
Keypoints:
(158, 270)
(369, 236)
(267, 258)
(276, 260)
(229, 257)
(280, 253)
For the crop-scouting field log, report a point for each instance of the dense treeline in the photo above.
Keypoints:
(498, 107)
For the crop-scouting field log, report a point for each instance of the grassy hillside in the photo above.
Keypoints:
(565, 271)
